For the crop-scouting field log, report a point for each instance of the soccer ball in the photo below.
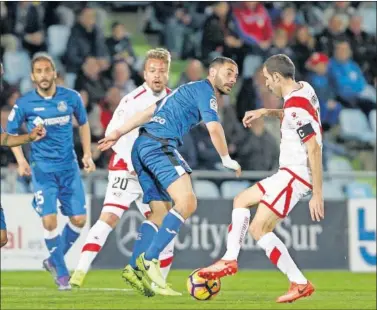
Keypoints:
(202, 289)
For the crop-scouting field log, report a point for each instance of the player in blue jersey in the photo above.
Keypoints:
(54, 168)
(163, 173)
(7, 140)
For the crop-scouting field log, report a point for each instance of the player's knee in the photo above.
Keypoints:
(157, 216)
(256, 230)
(4, 239)
(78, 221)
(186, 203)
(191, 202)
(109, 218)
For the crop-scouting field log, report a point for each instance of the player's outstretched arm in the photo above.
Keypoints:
(216, 132)
(250, 116)
(316, 206)
(135, 121)
(36, 134)
(85, 137)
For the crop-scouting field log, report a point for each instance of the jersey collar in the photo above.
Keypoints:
(46, 98)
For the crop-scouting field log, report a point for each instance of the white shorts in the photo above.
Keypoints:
(122, 190)
(283, 190)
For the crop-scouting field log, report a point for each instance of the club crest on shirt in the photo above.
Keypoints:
(213, 104)
(62, 106)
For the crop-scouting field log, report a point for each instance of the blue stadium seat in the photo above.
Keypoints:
(354, 126)
(57, 39)
(230, 189)
(205, 189)
(359, 190)
(16, 66)
(332, 190)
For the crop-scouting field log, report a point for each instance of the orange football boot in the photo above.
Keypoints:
(219, 269)
(297, 291)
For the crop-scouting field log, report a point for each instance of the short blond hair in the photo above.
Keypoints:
(159, 53)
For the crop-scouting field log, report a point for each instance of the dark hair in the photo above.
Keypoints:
(42, 56)
(115, 24)
(281, 64)
(220, 60)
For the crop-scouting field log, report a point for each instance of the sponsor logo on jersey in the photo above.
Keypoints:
(213, 104)
(61, 120)
(62, 106)
(38, 109)
(158, 119)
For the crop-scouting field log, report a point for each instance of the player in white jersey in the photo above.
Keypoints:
(300, 174)
(123, 186)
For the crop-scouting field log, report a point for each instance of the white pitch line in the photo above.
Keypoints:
(36, 288)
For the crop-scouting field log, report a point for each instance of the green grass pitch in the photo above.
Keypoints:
(104, 289)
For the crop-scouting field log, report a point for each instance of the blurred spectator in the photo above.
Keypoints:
(92, 82)
(108, 106)
(319, 79)
(280, 44)
(340, 8)
(303, 48)
(122, 78)
(188, 151)
(311, 15)
(334, 32)
(350, 84)
(233, 129)
(11, 95)
(8, 40)
(260, 151)
(119, 45)
(363, 46)
(207, 154)
(86, 40)
(367, 10)
(27, 20)
(180, 26)
(215, 28)
(194, 72)
(247, 98)
(288, 21)
(254, 24)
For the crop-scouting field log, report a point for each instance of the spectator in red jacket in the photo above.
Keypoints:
(253, 24)
(287, 21)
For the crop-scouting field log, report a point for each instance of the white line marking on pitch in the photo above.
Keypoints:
(9, 288)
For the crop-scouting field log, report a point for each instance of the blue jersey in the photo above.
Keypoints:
(56, 151)
(183, 109)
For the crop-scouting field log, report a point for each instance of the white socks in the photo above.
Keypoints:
(96, 239)
(237, 232)
(277, 252)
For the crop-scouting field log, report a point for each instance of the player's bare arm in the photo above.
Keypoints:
(250, 116)
(316, 206)
(137, 120)
(36, 134)
(217, 134)
(87, 160)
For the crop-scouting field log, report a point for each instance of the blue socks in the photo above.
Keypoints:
(168, 230)
(55, 247)
(147, 231)
(69, 236)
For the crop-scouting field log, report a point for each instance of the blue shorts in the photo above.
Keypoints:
(158, 164)
(3, 226)
(65, 186)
